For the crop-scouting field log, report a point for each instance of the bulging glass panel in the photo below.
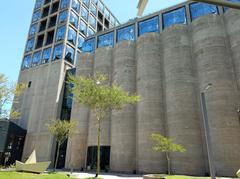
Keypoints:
(80, 42)
(86, 2)
(36, 16)
(106, 40)
(33, 29)
(36, 58)
(26, 62)
(84, 13)
(126, 33)
(90, 32)
(150, 25)
(30, 44)
(93, 9)
(89, 46)
(83, 27)
(72, 35)
(57, 53)
(177, 16)
(92, 21)
(63, 17)
(199, 9)
(76, 5)
(69, 54)
(74, 19)
(38, 4)
(46, 55)
(60, 33)
(101, 6)
(64, 4)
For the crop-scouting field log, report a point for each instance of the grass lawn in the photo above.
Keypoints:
(20, 175)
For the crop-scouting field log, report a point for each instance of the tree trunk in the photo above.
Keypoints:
(169, 165)
(56, 161)
(98, 150)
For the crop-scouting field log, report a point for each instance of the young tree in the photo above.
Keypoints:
(96, 93)
(61, 130)
(9, 93)
(166, 145)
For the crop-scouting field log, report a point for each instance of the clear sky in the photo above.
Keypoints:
(15, 17)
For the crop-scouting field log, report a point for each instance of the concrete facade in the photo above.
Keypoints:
(168, 70)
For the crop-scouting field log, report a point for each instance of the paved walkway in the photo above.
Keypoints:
(107, 176)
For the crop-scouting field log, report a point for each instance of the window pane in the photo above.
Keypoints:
(74, 19)
(30, 44)
(105, 40)
(76, 5)
(93, 9)
(92, 21)
(60, 33)
(26, 62)
(107, 14)
(150, 25)
(177, 16)
(226, 8)
(36, 16)
(86, 2)
(72, 35)
(33, 29)
(46, 55)
(90, 32)
(84, 13)
(83, 27)
(63, 17)
(80, 41)
(36, 59)
(38, 4)
(200, 9)
(126, 33)
(64, 4)
(95, 2)
(57, 54)
(89, 45)
(69, 55)
(101, 6)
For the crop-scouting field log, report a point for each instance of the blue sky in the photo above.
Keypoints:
(15, 17)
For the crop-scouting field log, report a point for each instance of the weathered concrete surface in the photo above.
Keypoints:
(123, 123)
(182, 109)
(150, 111)
(215, 66)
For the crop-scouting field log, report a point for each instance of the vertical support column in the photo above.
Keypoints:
(182, 108)
(123, 123)
(150, 113)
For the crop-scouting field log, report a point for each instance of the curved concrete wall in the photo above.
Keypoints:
(150, 112)
(182, 109)
(123, 123)
(77, 144)
(214, 66)
(103, 65)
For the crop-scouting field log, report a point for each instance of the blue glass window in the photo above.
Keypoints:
(92, 21)
(30, 44)
(84, 13)
(126, 33)
(93, 9)
(80, 41)
(90, 32)
(106, 40)
(83, 27)
(101, 6)
(107, 14)
(26, 62)
(36, 58)
(57, 53)
(226, 8)
(60, 33)
(74, 19)
(76, 5)
(64, 4)
(150, 25)
(95, 2)
(33, 29)
(177, 16)
(69, 54)
(86, 2)
(46, 55)
(36, 16)
(38, 4)
(200, 9)
(63, 17)
(89, 45)
(72, 36)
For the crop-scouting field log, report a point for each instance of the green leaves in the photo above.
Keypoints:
(164, 144)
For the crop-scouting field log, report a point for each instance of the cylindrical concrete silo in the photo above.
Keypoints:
(215, 66)
(123, 123)
(77, 144)
(103, 65)
(182, 107)
(150, 112)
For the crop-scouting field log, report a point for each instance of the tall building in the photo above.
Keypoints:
(167, 58)
(57, 32)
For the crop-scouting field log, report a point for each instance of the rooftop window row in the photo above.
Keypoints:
(177, 16)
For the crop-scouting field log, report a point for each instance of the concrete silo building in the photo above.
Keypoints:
(167, 58)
